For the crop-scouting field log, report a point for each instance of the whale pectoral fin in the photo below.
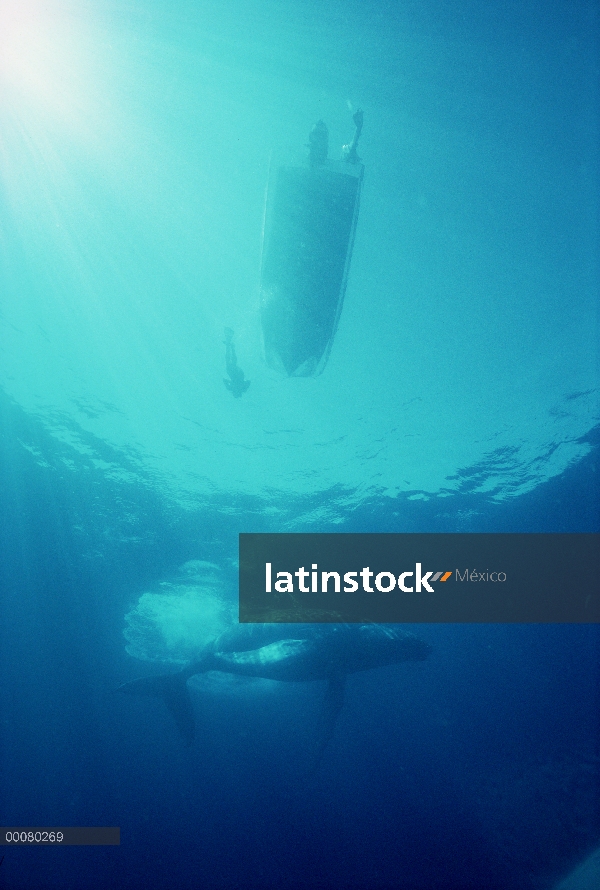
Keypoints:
(332, 705)
(178, 701)
(174, 692)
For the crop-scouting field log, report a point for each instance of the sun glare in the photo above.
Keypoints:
(40, 64)
(55, 111)
(26, 41)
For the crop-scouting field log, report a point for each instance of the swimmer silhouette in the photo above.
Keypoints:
(237, 384)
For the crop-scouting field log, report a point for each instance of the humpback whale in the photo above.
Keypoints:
(287, 652)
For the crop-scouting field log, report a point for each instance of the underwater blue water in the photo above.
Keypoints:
(461, 395)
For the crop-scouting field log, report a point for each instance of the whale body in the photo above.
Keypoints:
(289, 653)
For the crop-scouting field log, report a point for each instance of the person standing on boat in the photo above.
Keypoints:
(349, 153)
(318, 144)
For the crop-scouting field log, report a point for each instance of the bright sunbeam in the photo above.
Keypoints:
(43, 82)
(37, 56)
(57, 124)
(57, 76)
